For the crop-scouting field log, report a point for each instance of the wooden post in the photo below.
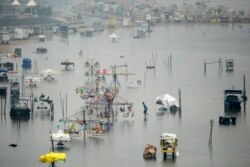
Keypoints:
(84, 125)
(205, 68)
(1, 105)
(144, 80)
(32, 102)
(171, 62)
(22, 83)
(66, 107)
(168, 61)
(211, 133)
(180, 100)
(53, 149)
(220, 66)
(244, 89)
(5, 101)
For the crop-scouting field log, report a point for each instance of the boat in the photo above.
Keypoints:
(20, 108)
(149, 152)
(168, 142)
(232, 100)
(168, 102)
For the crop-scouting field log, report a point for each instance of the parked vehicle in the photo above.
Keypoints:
(168, 143)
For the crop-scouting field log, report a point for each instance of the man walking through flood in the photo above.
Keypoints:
(145, 110)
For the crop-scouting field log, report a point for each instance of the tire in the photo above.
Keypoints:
(164, 156)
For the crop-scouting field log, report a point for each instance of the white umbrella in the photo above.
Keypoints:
(41, 36)
(48, 72)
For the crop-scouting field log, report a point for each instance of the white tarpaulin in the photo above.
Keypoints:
(167, 101)
(60, 136)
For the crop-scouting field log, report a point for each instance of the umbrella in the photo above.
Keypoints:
(48, 72)
(41, 36)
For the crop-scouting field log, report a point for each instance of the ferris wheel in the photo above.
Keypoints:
(92, 67)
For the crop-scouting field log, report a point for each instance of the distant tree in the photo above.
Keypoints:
(44, 11)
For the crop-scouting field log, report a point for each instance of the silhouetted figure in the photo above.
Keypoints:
(145, 110)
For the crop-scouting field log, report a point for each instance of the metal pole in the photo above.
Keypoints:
(211, 133)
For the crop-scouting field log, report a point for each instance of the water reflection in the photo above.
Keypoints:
(44, 115)
(19, 119)
(168, 162)
(211, 152)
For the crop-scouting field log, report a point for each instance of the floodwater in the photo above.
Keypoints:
(202, 98)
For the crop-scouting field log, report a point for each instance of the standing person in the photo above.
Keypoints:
(145, 110)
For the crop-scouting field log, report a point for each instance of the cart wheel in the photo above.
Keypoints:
(165, 156)
(174, 155)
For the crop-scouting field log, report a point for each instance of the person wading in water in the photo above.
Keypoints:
(145, 110)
